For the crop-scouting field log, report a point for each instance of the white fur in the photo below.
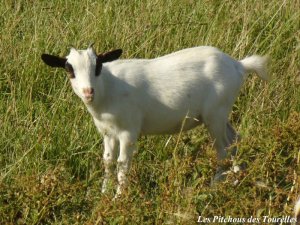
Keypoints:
(154, 96)
(297, 211)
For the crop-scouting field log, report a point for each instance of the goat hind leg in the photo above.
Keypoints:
(218, 130)
(233, 137)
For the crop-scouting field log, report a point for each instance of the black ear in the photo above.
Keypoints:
(110, 56)
(54, 61)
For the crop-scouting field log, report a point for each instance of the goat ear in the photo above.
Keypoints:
(54, 61)
(110, 56)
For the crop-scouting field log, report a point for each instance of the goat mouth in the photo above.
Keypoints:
(88, 99)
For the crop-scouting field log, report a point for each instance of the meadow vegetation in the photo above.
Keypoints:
(50, 152)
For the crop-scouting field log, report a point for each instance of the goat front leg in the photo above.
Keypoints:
(127, 147)
(110, 158)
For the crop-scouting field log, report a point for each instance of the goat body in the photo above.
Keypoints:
(179, 91)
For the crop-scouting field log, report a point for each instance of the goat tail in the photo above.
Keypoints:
(257, 64)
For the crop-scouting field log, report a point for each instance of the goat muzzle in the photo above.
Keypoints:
(88, 94)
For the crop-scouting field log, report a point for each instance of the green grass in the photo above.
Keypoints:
(50, 152)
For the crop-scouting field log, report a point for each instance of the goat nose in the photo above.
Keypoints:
(88, 94)
(88, 91)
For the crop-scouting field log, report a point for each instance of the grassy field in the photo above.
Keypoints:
(50, 152)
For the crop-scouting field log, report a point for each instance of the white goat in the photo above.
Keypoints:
(129, 98)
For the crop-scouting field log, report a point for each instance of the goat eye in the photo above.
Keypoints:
(70, 70)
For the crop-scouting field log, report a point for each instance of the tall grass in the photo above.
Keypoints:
(50, 151)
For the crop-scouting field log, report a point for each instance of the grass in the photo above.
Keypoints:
(50, 152)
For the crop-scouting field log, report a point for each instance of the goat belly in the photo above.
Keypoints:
(168, 124)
